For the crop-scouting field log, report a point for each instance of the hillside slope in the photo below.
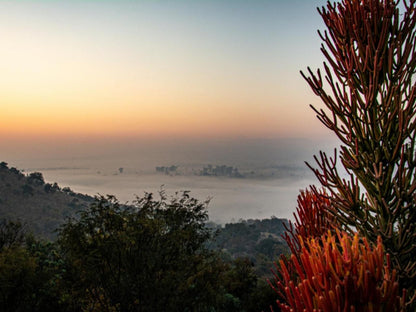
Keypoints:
(260, 241)
(42, 206)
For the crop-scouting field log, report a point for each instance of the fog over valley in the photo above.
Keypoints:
(244, 178)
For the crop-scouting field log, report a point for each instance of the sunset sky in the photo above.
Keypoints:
(205, 68)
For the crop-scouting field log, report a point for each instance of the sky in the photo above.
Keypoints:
(157, 69)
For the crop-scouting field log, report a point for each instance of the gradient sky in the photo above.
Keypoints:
(152, 69)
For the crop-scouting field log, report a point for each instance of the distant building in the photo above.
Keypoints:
(221, 171)
(167, 170)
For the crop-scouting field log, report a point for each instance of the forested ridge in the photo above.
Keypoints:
(63, 251)
(41, 206)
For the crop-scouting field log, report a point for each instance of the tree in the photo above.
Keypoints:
(12, 234)
(29, 271)
(370, 105)
(35, 178)
(17, 276)
(240, 282)
(149, 256)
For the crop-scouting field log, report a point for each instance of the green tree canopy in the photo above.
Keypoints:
(149, 256)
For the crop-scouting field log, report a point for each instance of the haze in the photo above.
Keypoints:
(157, 68)
(142, 83)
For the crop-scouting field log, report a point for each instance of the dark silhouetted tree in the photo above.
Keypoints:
(150, 256)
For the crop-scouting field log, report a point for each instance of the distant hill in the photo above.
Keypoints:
(258, 240)
(42, 206)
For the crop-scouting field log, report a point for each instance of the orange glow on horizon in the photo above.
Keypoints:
(179, 119)
(103, 69)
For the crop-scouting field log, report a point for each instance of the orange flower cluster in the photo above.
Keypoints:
(312, 217)
(339, 273)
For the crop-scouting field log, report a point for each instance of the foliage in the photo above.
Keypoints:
(337, 273)
(48, 291)
(41, 206)
(17, 274)
(160, 249)
(312, 218)
(241, 280)
(149, 256)
(141, 257)
(12, 234)
(29, 272)
(35, 178)
(16, 267)
(258, 240)
(370, 106)
(370, 49)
